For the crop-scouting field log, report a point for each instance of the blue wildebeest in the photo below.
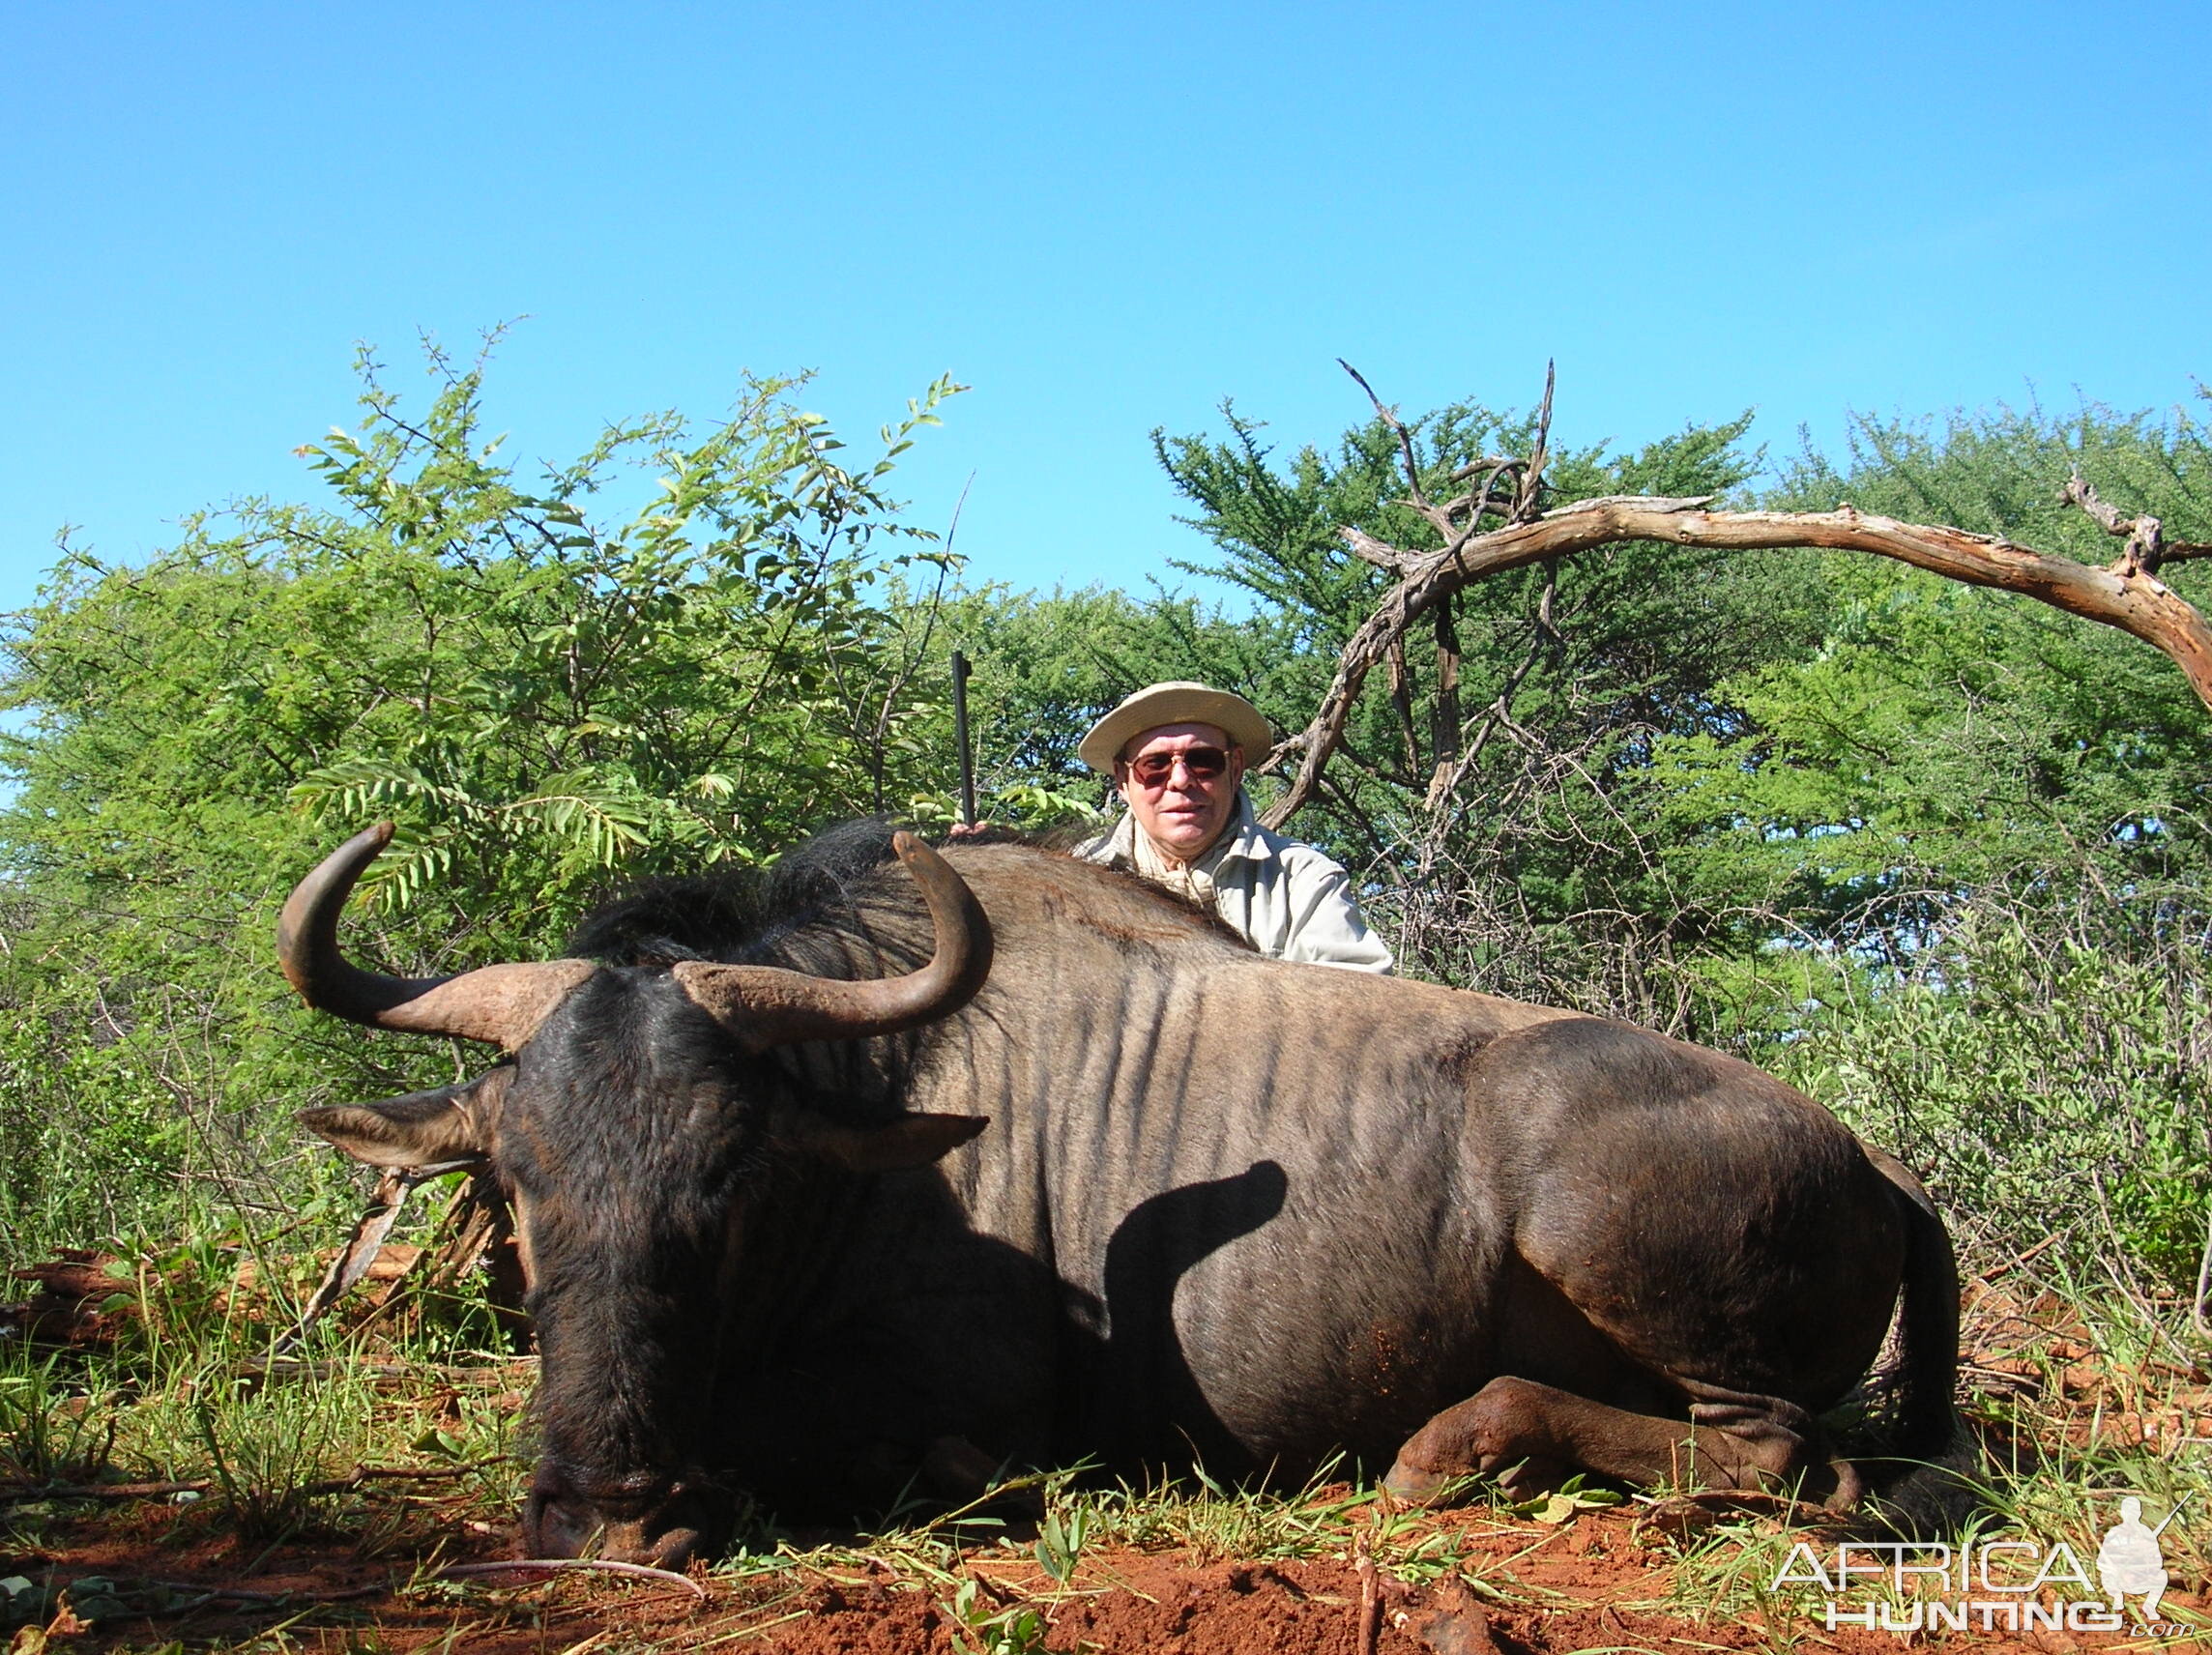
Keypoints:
(872, 1173)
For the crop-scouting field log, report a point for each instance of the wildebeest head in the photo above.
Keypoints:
(631, 1120)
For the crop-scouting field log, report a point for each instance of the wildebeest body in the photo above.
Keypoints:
(1267, 1211)
(1228, 1208)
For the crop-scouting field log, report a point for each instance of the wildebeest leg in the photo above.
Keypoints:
(1732, 1440)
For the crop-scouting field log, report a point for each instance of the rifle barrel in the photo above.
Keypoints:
(960, 671)
(2170, 1516)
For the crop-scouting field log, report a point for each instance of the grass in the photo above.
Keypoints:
(2057, 1393)
(2080, 1401)
(52, 1430)
(324, 1448)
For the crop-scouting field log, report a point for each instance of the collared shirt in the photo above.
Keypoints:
(1285, 898)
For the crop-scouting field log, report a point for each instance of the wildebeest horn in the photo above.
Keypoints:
(766, 1005)
(503, 1004)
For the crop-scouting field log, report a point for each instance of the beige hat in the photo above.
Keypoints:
(1179, 702)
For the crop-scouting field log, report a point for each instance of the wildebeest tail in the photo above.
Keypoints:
(1925, 1483)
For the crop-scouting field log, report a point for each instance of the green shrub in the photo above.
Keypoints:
(2047, 1072)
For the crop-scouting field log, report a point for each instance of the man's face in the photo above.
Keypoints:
(1180, 809)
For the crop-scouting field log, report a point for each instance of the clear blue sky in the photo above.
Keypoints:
(1104, 218)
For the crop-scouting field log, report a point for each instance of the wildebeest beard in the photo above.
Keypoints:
(669, 1190)
(630, 1167)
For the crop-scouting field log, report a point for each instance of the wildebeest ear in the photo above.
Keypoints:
(910, 1141)
(422, 1129)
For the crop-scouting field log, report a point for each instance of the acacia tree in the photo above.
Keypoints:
(1489, 783)
(1503, 671)
(547, 696)
(1512, 494)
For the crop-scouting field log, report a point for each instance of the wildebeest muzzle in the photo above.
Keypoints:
(648, 1518)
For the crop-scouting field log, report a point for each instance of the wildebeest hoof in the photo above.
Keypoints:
(1410, 1484)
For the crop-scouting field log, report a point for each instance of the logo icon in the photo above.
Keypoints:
(2009, 1584)
(2130, 1562)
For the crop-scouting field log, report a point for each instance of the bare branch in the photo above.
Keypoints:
(1488, 463)
(1644, 502)
(2126, 596)
(2079, 492)
(2145, 534)
(1445, 718)
(1380, 554)
(1389, 418)
(1532, 483)
(1280, 754)
(1476, 502)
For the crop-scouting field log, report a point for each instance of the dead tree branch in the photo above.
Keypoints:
(2126, 593)
(1529, 491)
(1459, 518)
(2148, 545)
(1389, 418)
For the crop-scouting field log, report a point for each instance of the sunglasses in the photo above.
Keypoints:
(1200, 764)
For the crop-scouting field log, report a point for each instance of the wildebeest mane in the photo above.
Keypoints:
(734, 912)
(789, 914)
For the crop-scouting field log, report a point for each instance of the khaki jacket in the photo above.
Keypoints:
(1285, 898)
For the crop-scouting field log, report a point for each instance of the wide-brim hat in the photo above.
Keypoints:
(1179, 702)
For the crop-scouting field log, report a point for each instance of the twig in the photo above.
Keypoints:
(314, 1491)
(239, 1594)
(1389, 417)
(397, 1474)
(2196, 1316)
(1370, 1599)
(2014, 1261)
(1529, 488)
(1476, 501)
(551, 1566)
(99, 1491)
(232, 1594)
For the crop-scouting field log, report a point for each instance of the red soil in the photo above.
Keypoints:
(1513, 1589)
(1481, 1585)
